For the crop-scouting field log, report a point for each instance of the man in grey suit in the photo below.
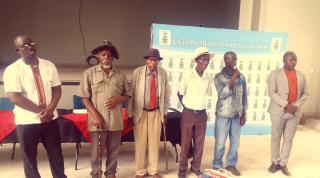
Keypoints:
(147, 108)
(288, 91)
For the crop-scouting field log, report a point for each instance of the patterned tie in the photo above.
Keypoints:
(39, 86)
(153, 92)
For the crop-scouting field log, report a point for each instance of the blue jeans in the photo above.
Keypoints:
(222, 128)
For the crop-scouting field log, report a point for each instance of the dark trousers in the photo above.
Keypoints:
(29, 136)
(110, 142)
(193, 127)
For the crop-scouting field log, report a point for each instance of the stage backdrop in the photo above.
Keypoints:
(258, 54)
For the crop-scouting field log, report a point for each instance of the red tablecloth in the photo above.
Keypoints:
(6, 123)
(80, 120)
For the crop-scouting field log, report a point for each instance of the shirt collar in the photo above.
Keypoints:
(148, 72)
(195, 73)
(114, 69)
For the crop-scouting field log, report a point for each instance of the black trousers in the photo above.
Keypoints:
(29, 137)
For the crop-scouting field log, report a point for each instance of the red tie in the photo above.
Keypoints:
(39, 86)
(153, 92)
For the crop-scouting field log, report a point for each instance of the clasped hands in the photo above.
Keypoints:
(290, 108)
(46, 114)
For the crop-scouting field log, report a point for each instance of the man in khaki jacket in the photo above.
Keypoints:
(103, 89)
(147, 108)
(288, 91)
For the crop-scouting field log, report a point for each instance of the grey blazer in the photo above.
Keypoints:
(136, 102)
(278, 92)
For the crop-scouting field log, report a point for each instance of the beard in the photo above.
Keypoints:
(106, 66)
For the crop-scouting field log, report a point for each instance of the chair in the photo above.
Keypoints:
(77, 103)
(6, 104)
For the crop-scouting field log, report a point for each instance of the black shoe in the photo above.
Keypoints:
(233, 170)
(197, 172)
(285, 170)
(274, 168)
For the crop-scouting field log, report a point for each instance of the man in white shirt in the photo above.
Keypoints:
(192, 93)
(33, 85)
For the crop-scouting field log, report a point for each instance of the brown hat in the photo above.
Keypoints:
(107, 45)
(152, 52)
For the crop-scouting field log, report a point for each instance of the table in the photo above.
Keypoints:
(70, 132)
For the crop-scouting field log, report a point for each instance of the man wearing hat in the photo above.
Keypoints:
(146, 110)
(103, 88)
(194, 87)
(230, 112)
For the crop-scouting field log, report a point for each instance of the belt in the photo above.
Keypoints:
(195, 112)
(150, 110)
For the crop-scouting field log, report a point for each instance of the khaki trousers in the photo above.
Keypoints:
(147, 139)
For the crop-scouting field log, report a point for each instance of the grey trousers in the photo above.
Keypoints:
(110, 141)
(282, 129)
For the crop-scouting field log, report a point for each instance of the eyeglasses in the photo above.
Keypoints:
(28, 45)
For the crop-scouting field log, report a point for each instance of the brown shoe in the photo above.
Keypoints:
(285, 170)
(156, 176)
(274, 168)
(137, 176)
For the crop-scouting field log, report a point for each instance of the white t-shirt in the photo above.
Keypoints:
(195, 89)
(18, 77)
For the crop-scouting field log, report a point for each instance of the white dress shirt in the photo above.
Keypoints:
(18, 77)
(194, 89)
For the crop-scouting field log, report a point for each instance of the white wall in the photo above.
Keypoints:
(300, 19)
(54, 25)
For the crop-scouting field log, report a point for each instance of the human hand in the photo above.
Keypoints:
(243, 121)
(112, 102)
(234, 77)
(290, 108)
(45, 115)
(235, 74)
(98, 121)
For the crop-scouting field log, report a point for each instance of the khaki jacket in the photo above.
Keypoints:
(278, 92)
(136, 102)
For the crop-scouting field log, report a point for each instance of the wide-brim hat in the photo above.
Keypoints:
(152, 52)
(201, 51)
(107, 45)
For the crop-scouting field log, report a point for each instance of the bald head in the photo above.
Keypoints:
(19, 40)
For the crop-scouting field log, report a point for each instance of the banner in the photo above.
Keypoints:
(258, 53)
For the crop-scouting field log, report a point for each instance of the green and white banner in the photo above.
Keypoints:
(258, 54)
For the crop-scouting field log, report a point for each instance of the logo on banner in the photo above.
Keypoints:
(164, 37)
(276, 44)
